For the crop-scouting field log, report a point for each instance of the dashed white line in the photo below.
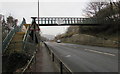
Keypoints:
(100, 52)
(68, 56)
(109, 54)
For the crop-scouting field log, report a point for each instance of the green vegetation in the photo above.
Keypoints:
(13, 62)
(110, 17)
(14, 57)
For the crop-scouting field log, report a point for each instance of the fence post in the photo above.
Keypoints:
(52, 57)
(61, 66)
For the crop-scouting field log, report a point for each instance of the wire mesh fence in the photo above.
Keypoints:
(29, 48)
(8, 34)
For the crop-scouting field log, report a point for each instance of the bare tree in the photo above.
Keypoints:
(10, 20)
(1, 19)
(94, 7)
(117, 4)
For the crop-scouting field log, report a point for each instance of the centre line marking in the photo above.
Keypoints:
(100, 52)
(68, 56)
(109, 54)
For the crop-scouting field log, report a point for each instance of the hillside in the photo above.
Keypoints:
(105, 35)
(49, 37)
(82, 35)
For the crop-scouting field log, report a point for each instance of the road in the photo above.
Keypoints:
(83, 58)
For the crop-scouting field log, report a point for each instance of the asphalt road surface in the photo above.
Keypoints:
(83, 58)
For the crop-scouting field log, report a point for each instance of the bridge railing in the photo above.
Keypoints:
(25, 37)
(10, 35)
(54, 21)
(7, 39)
(64, 20)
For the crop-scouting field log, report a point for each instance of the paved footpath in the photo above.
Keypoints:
(43, 62)
(0, 49)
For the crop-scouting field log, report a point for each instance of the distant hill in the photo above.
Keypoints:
(50, 37)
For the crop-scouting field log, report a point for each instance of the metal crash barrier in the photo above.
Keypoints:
(63, 68)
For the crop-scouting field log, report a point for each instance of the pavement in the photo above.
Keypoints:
(43, 62)
(83, 58)
(0, 49)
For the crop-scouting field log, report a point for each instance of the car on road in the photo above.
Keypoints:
(58, 41)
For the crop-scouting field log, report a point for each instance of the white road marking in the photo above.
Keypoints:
(100, 52)
(68, 56)
(109, 54)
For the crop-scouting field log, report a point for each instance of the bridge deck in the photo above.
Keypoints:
(69, 24)
(67, 21)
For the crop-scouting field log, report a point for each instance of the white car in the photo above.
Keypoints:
(58, 41)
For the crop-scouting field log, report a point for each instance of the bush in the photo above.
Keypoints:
(14, 61)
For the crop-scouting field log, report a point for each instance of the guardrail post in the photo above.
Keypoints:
(61, 68)
(52, 57)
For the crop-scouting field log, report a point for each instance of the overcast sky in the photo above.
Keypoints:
(28, 8)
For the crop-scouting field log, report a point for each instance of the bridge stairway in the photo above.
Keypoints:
(16, 43)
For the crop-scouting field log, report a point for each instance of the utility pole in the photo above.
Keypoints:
(38, 12)
(34, 37)
(39, 24)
